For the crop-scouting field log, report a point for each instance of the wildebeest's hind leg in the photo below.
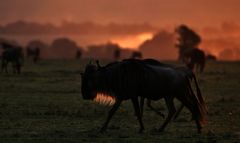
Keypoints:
(14, 67)
(141, 106)
(138, 113)
(171, 112)
(18, 67)
(155, 110)
(190, 106)
(4, 65)
(110, 114)
(150, 106)
(178, 112)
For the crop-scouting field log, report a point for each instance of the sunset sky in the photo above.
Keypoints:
(156, 12)
(211, 18)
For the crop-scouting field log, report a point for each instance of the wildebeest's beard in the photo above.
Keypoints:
(88, 82)
(87, 88)
(104, 98)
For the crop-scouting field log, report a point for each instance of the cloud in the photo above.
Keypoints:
(25, 28)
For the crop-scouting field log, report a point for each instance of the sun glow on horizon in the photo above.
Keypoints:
(132, 42)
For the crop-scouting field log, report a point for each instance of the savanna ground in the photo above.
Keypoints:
(44, 105)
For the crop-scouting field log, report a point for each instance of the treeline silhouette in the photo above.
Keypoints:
(65, 48)
(160, 46)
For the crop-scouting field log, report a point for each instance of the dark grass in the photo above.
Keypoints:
(44, 105)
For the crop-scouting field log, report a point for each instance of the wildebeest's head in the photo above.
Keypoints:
(89, 82)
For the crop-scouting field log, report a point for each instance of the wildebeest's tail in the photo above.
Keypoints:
(196, 102)
(199, 94)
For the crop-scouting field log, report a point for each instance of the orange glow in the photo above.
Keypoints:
(145, 36)
(104, 99)
(132, 41)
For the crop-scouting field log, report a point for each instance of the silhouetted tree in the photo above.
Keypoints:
(64, 48)
(35, 54)
(104, 51)
(161, 46)
(187, 39)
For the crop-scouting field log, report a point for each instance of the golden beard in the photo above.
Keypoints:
(104, 99)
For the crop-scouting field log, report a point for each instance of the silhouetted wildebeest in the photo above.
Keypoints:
(14, 55)
(78, 54)
(34, 53)
(211, 57)
(130, 79)
(117, 54)
(194, 57)
(136, 55)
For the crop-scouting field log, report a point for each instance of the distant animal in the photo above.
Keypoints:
(130, 79)
(211, 57)
(195, 59)
(117, 54)
(136, 55)
(78, 54)
(34, 53)
(12, 54)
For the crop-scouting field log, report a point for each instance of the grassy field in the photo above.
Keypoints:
(44, 105)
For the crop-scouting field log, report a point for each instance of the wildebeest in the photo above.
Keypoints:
(33, 52)
(195, 58)
(136, 55)
(12, 54)
(78, 54)
(130, 79)
(117, 54)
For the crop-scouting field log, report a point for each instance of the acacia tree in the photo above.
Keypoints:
(187, 40)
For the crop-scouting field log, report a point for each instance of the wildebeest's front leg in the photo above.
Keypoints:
(4, 65)
(171, 112)
(110, 114)
(138, 113)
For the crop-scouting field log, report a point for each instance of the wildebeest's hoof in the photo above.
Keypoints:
(141, 131)
(160, 130)
(103, 130)
(162, 115)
